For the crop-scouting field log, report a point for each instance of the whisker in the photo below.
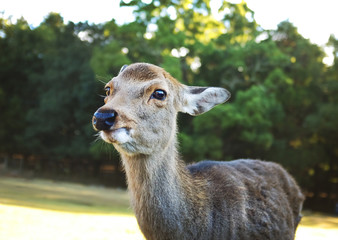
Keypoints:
(103, 80)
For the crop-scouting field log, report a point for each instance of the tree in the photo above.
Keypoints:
(66, 91)
(20, 61)
(300, 94)
(322, 126)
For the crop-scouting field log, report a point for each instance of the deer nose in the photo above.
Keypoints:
(104, 119)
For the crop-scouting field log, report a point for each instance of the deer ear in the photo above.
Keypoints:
(122, 68)
(198, 100)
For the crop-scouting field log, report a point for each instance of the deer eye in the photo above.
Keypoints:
(107, 90)
(158, 94)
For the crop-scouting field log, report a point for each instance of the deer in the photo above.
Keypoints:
(239, 199)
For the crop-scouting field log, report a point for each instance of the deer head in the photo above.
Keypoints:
(141, 104)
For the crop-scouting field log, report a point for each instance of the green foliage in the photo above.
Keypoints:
(64, 89)
(248, 121)
(19, 61)
(107, 60)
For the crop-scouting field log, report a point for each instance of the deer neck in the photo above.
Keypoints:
(163, 193)
(152, 176)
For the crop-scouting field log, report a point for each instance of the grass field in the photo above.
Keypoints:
(41, 209)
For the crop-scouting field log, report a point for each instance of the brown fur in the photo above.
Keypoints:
(142, 72)
(242, 199)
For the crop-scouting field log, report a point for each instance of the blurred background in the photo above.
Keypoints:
(279, 60)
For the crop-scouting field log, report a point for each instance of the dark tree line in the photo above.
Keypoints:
(283, 106)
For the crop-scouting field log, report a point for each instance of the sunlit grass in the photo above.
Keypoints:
(317, 226)
(39, 210)
(69, 197)
(42, 209)
(24, 223)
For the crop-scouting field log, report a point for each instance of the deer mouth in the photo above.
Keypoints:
(121, 138)
(119, 135)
